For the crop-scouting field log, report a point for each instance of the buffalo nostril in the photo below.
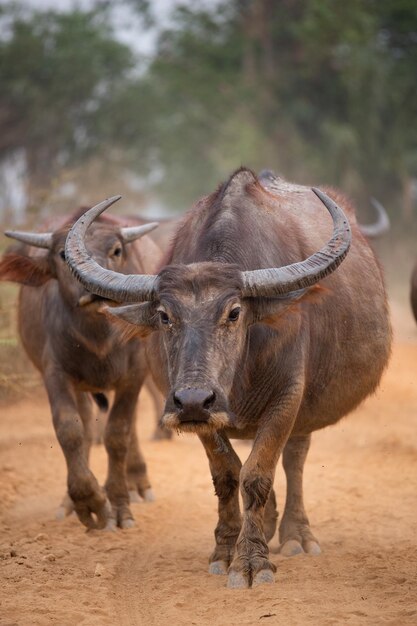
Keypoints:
(177, 401)
(209, 400)
(193, 398)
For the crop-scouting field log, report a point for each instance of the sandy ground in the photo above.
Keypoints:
(361, 495)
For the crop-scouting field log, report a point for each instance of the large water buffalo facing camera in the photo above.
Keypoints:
(261, 330)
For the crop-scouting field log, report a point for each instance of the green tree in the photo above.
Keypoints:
(57, 71)
(319, 89)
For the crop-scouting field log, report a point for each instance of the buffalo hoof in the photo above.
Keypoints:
(120, 517)
(218, 568)
(148, 495)
(111, 525)
(134, 497)
(292, 547)
(94, 515)
(124, 524)
(237, 580)
(265, 576)
(312, 547)
(128, 523)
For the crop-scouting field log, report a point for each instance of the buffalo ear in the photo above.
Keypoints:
(135, 320)
(25, 270)
(274, 311)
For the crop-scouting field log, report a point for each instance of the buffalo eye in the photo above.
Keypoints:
(234, 314)
(164, 317)
(117, 252)
(62, 254)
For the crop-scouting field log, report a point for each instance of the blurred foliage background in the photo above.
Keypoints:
(321, 91)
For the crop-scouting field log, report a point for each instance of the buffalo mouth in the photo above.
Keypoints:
(207, 422)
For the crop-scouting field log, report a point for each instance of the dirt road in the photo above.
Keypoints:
(361, 495)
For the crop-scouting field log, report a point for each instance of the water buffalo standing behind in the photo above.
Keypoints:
(79, 353)
(153, 255)
(248, 341)
(413, 292)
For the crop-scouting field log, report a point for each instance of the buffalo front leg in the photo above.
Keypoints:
(83, 488)
(116, 440)
(137, 475)
(251, 565)
(294, 531)
(270, 516)
(225, 467)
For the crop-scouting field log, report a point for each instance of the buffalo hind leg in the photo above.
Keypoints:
(116, 440)
(137, 477)
(83, 489)
(294, 531)
(225, 467)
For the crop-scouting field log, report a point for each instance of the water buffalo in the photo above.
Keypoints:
(248, 341)
(162, 242)
(153, 255)
(79, 353)
(413, 292)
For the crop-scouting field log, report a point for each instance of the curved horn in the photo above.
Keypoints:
(103, 282)
(39, 240)
(131, 233)
(381, 226)
(280, 280)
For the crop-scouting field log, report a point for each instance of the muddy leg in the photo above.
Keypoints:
(251, 565)
(225, 466)
(85, 410)
(83, 488)
(137, 477)
(116, 440)
(294, 531)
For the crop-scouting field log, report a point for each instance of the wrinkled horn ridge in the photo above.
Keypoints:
(275, 281)
(103, 282)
